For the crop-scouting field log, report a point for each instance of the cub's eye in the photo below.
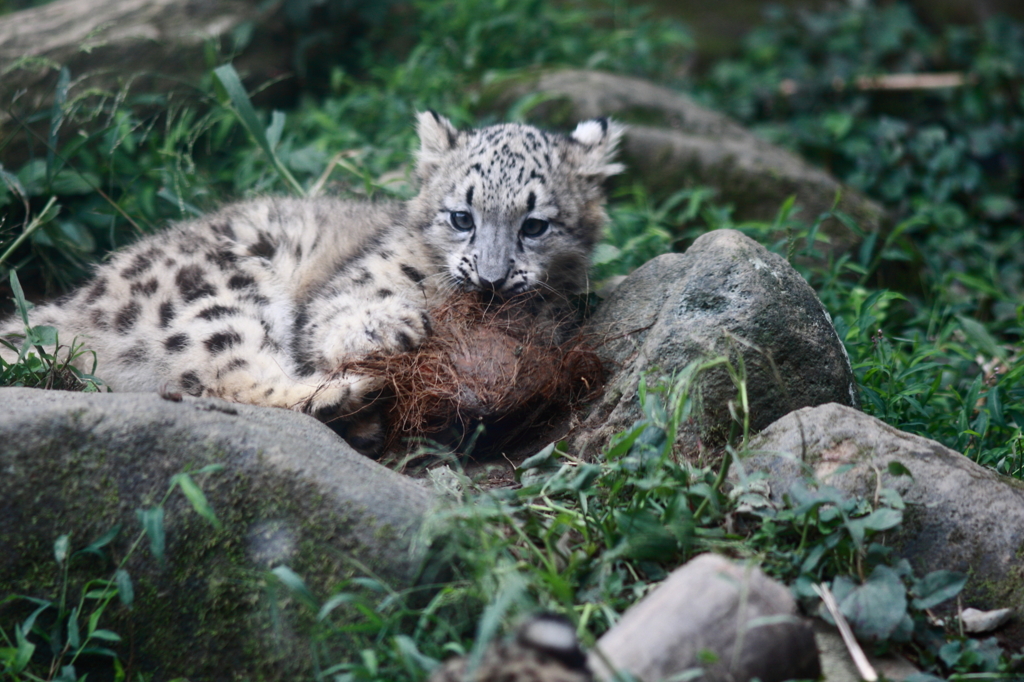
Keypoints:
(461, 220)
(534, 227)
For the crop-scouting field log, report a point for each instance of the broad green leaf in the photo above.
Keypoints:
(882, 519)
(19, 297)
(196, 497)
(74, 637)
(94, 619)
(540, 459)
(24, 651)
(604, 254)
(60, 548)
(30, 622)
(876, 608)
(11, 181)
(980, 337)
(125, 589)
(153, 524)
(275, 128)
(333, 603)
(937, 587)
(645, 537)
(293, 582)
(68, 674)
(42, 335)
(586, 474)
(97, 546)
(70, 182)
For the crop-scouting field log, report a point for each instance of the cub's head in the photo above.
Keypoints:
(512, 208)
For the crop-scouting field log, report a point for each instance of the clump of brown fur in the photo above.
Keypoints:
(496, 364)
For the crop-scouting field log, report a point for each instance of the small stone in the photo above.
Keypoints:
(725, 617)
(976, 621)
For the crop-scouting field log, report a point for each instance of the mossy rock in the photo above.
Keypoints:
(289, 493)
(959, 515)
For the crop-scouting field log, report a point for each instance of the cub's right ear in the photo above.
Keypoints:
(437, 137)
(598, 141)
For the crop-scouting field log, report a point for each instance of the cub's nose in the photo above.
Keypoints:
(492, 285)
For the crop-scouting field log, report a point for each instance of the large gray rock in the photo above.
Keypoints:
(673, 142)
(291, 493)
(959, 516)
(726, 296)
(747, 621)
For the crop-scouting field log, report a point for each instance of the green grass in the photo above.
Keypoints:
(931, 312)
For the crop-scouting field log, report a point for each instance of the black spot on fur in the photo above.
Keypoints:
(192, 285)
(98, 317)
(263, 248)
(256, 298)
(216, 312)
(361, 276)
(190, 384)
(96, 290)
(224, 229)
(531, 202)
(222, 258)
(237, 363)
(240, 281)
(412, 273)
(385, 254)
(303, 362)
(268, 342)
(298, 251)
(368, 247)
(385, 293)
(147, 288)
(166, 314)
(126, 317)
(469, 195)
(221, 341)
(139, 264)
(136, 354)
(177, 343)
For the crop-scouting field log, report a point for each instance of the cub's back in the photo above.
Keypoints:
(171, 292)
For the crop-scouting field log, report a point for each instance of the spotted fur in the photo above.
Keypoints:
(262, 301)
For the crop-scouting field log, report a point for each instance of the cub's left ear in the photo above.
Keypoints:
(438, 137)
(599, 138)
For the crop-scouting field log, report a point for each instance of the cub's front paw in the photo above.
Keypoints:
(391, 326)
(340, 396)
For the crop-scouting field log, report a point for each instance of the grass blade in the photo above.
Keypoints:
(197, 498)
(243, 108)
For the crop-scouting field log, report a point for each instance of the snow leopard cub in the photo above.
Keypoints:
(261, 301)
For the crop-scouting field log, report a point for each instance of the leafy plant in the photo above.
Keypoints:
(70, 628)
(34, 366)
